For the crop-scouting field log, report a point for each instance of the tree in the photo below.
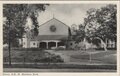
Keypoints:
(80, 34)
(101, 24)
(16, 15)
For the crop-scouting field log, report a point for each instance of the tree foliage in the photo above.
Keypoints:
(80, 34)
(16, 17)
(101, 22)
(99, 25)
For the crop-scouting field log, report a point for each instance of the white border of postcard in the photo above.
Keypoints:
(65, 73)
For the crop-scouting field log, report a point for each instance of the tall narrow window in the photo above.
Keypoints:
(33, 43)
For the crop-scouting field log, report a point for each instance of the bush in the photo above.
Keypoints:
(52, 58)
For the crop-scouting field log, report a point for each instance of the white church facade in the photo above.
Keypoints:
(50, 35)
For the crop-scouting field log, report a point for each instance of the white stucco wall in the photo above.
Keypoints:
(25, 43)
(61, 28)
(33, 44)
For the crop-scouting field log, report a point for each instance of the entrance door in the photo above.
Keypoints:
(43, 45)
(61, 44)
(51, 44)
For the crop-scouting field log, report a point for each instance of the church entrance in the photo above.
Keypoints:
(51, 44)
(61, 44)
(43, 45)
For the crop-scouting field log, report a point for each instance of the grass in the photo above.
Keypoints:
(31, 56)
(103, 53)
(18, 56)
(112, 59)
(98, 57)
(79, 61)
(107, 57)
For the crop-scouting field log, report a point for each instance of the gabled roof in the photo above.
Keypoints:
(54, 19)
(49, 37)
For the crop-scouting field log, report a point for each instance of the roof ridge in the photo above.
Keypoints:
(55, 19)
(61, 22)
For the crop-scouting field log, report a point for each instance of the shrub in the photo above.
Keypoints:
(52, 58)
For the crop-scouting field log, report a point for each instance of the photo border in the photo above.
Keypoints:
(60, 73)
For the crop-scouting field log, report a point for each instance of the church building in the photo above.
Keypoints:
(51, 35)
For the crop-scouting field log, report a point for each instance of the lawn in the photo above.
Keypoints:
(30, 56)
(105, 57)
(79, 60)
(18, 55)
(111, 59)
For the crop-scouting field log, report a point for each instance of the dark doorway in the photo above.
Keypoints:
(43, 45)
(61, 44)
(51, 44)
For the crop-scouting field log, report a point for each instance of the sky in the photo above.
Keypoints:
(67, 13)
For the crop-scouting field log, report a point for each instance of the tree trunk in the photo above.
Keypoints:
(9, 48)
(9, 44)
(103, 43)
(84, 41)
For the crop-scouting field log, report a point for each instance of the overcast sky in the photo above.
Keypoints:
(67, 13)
